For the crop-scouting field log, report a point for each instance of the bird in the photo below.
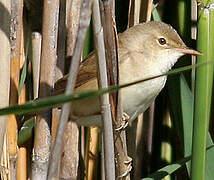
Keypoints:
(144, 50)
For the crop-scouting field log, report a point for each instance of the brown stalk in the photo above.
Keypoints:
(42, 140)
(61, 41)
(60, 62)
(144, 131)
(73, 8)
(140, 11)
(16, 27)
(146, 10)
(134, 12)
(144, 141)
(22, 164)
(133, 19)
(36, 55)
(21, 171)
(110, 41)
(108, 139)
(5, 16)
(83, 24)
(123, 165)
(91, 167)
(5, 164)
(70, 159)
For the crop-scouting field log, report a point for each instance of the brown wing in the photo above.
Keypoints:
(87, 71)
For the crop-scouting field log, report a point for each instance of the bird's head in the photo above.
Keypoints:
(157, 40)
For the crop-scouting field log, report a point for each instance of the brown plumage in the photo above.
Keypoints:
(144, 50)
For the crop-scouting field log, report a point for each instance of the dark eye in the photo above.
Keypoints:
(162, 41)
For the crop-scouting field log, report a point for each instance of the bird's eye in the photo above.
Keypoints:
(162, 41)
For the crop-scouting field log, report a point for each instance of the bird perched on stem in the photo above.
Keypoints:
(145, 50)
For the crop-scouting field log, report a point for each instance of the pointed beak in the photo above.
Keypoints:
(187, 50)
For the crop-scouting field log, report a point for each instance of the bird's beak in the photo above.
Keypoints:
(187, 50)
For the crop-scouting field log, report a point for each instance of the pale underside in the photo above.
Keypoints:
(135, 99)
(140, 56)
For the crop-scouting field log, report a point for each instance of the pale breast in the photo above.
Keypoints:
(136, 99)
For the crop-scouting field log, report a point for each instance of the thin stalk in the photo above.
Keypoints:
(122, 161)
(134, 12)
(85, 15)
(5, 164)
(36, 54)
(62, 33)
(21, 170)
(71, 134)
(5, 16)
(73, 8)
(42, 140)
(93, 154)
(89, 151)
(56, 101)
(108, 139)
(70, 159)
(203, 92)
(146, 8)
(110, 42)
(12, 126)
(22, 164)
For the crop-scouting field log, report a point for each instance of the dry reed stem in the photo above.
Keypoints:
(62, 34)
(12, 136)
(87, 152)
(60, 63)
(146, 10)
(57, 150)
(92, 132)
(92, 159)
(140, 11)
(70, 162)
(108, 139)
(5, 16)
(5, 164)
(134, 12)
(144, 141)
(22, 164)
(72, 22)
(17, 45)
(36, 54)
(21, 171)
(110, 39)
(72, 131)
(42, 140)
(123, 165)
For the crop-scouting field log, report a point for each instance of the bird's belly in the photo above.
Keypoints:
(137, 98)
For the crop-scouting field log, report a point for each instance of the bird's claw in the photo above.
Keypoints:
(128, 163)
(125, 123)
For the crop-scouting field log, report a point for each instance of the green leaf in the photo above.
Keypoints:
(181, 99)
(155, 15)
(23, 77)
(55, 101)
(26, 131)
(169, 169)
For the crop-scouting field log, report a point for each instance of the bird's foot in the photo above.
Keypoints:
(124, 122)
(128, 164)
